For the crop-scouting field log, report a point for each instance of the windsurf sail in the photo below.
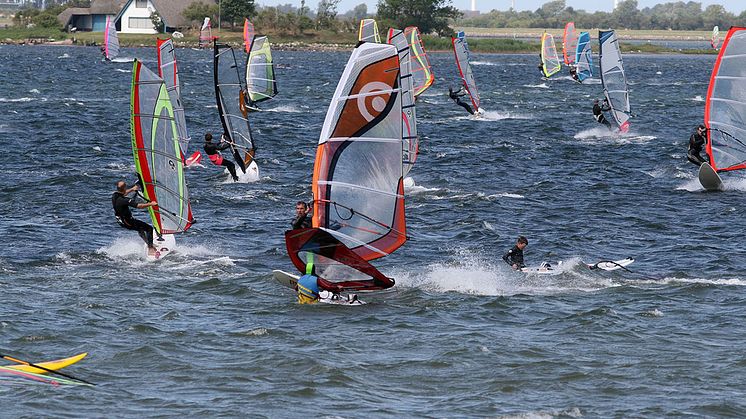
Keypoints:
(725, 107)
(584, 57)
(168, 71)
(368, 31)
(422, 73)
(155, 147)
(260, 72)
(550, 62)
(715, 40)
(111, 40)
(569, 43)
(358, 183)
(248, 35)
(410, 144)
(230, 96)
(336, 265)
(205, 34)
(461, 50)
(614, 79)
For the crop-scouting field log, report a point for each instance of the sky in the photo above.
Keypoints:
(733, 6)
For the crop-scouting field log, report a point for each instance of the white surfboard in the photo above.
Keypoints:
(709, 178)
(545, 268)
(291, 281)
(251, 175)
(612, 265)
(164, 245)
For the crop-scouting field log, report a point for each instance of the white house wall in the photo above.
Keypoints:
(140, 15)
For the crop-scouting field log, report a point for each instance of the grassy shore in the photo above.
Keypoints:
(480, 40)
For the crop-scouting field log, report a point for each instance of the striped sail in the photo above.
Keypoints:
(111, 40)
(461, 50)
(569, 43)
(205, 34)
(614, 79)
(248, 35)
(584, 57)
(368, 31)
(422, 73)
(725, 107)
(410, 144)
(715, 40)
(169, 72)
(155, 147)
(260, 71)
(550, 62)
(358, 183)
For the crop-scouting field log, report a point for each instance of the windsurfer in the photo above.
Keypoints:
(457, 95)
(696, 142)
(574, 72)
(213, 153)
(308, 286)
(541, 64)
(598, 112)
(122, 203)
(514, 257)
(302, 217)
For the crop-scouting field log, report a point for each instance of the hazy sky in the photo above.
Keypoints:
(734, 6)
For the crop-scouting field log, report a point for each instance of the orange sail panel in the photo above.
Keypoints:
(358, 175)
(570, 43)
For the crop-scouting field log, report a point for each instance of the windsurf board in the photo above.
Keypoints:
(709, 178)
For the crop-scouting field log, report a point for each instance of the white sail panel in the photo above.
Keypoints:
(261, 84)
(111, 40)
(550, 61)
(461, 50)
(409, 114)
(169, 72)
(368, 31)
(614, 79)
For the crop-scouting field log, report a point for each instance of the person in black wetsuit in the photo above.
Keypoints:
(213, 153)
(457, 95)
(696, 142)
(598, 112)
(514, 257)
(122, 203)
(541, 65)
(574, 73)
(302, 217)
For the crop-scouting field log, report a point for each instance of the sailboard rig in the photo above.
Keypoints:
(715, 40)
(248, 35)
(461, 51)
(725, 106)
(205, 34)
(584, 57)
(157, 153)
(169, 72)
(422, 73)
(368, 31)
(111, 40)
(569, 43)
(550, 62)
(410, 141)
(229, 94)
(613, 79)
(358, 187)
(261, 83)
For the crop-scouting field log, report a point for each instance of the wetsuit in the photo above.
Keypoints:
(574, 73)
(514, 257)
(302, 222)
(124, 216)
(213, 153)
(696, 142)
(457, 97)
(598, 113)
(308, 289)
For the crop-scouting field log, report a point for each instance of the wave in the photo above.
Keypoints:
(537, 86)
(487, 63)
(20, 99)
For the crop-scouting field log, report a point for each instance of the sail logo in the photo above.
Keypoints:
(377, 101)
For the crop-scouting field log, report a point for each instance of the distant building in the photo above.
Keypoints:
(130, 16)
(90, 18)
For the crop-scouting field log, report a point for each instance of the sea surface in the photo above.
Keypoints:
(207, 332)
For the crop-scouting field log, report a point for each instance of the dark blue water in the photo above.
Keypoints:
(208, 332)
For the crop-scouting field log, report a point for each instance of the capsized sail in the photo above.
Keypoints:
(260, 71)
(422, 73)
(725, 107)
(584, 57)
(368, 31)
(336, 265)
(569, 43)
(358, 185)
(550, 62)
(614, 79)
(410, 144)
(205, 34)
(248, 35)
(715, 40)
(229, 93)
(111, 40)
(461, 50)
(168, 71)
(155, 147)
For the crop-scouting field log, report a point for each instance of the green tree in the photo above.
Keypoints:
(326, 14)
(157, 22)
(198, 10)
(428, 15)
(236, 10)
(359, 12)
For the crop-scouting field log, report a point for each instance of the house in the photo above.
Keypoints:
(130, 16)
(90, 18)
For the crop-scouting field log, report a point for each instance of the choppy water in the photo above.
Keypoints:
(207, 331)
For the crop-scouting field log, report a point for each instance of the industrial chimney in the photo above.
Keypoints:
(473, 5)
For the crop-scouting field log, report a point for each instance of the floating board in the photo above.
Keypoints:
(612, 265)
(291, 281)
(546, 268)
(165, 245)
(50, 365)
(709, 178)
